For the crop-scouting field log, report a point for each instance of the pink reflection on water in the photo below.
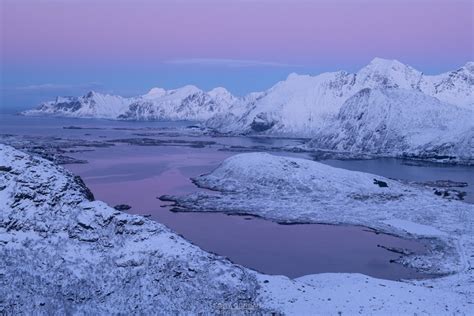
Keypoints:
(138, 175)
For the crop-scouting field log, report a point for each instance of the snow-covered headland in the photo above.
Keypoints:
(63, 252)
(291, 190)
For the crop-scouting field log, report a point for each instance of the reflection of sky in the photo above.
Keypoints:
(54, 47)
(140, 174)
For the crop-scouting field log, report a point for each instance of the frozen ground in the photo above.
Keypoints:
(63, 252)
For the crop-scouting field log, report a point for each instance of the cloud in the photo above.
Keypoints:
(223, 62)
(50, 87)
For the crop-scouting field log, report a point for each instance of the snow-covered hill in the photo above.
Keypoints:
(292, 190)
(186, 103)
(399, 122)
(301, 104)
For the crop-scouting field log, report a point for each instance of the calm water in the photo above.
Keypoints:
(137, 175)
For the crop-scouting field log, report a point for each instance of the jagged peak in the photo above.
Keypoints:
(90, 94)
(94, 94)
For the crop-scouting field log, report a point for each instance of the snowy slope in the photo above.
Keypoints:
(300, 104)
(296, 106)
(455, 87)
(399, 122)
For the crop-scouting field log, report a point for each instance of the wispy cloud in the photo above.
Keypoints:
(224, 62)
(47, 87)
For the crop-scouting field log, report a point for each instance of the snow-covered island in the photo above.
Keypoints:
(63, 252)
(385, 109)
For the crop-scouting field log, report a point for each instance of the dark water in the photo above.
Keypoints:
(137, 175)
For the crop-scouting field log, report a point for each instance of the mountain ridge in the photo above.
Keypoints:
(312, 97)
(423, 115)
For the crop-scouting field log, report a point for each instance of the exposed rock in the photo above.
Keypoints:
(122, 207)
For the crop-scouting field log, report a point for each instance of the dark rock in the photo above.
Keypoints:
(381, 184)
(5, 168)
(122, 207)
(84, 189)
(261, 123)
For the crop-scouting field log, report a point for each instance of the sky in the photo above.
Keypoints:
(68, 47)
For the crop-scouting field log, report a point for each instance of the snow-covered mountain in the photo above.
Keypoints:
(186, 103)
(301, 104)
(401, 122)
(93, 105)
(298, 105)
(386, 107)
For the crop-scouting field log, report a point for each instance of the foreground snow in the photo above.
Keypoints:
(294, 190)
(62, 252)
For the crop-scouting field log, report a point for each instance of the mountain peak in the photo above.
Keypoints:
(188, 89)
(381, 63)
(90, 94)
(294, 75)
(219, 91)
(156, 92)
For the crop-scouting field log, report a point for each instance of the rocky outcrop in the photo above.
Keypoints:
(62, 252)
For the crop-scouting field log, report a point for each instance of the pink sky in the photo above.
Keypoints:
(293, 32)
(67, 47)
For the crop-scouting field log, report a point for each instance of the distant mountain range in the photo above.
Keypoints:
(384, 107)
(186, 103)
